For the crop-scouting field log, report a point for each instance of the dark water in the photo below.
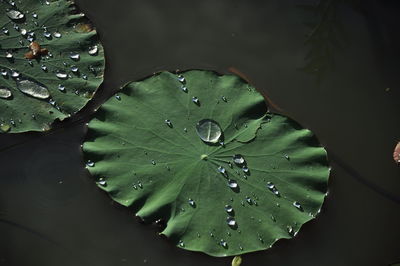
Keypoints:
(51, 213)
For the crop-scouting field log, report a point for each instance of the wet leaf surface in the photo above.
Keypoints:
(259, 179)
(50, 68)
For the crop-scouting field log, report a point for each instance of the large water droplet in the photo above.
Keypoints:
(181, 244)
(32, 88)
(208, 130)
(57, 34)
(89, 163)
(5, 93)
(238, 159)
(15, 14)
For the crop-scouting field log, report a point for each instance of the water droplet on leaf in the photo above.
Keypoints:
(273, 188)
(223, 243)
(102, 182)
(232, 183)
(168, 122)
(74, 69)
(208, 130)
(222, 170)
(298, 205)
(47, 34)
(32, 88)
(61, 74)
(74, 56)
(231, 221)
(238, 159)
(245, 169)
(228, 208)
(196, 100)
(192, 203)
(93, 50)
(5, 93)
(181, 79)
(9, 55)
(15, 14)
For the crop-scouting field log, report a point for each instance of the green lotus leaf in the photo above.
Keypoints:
(200, 152)
(51, 63)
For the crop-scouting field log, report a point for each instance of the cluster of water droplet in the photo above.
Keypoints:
(27, 29)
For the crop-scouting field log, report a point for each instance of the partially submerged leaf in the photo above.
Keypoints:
(260, 182)
(49, 66)
(396, 153)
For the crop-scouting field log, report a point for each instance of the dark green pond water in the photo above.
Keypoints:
(52, 213)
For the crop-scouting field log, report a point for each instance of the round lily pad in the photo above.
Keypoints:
(51, 63)
(200, 152)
